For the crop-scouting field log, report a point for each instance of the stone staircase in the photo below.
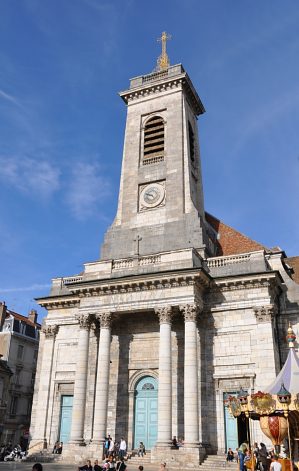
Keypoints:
(136, 460)
(217, 463)
(44, 456)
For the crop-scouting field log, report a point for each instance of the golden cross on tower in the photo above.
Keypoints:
(163, 60)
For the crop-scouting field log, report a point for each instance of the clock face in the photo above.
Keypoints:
(152, 195)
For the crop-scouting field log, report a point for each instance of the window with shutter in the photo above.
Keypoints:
(153, 147)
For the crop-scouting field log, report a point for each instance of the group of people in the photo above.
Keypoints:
(119, 466)
(112, 449)
(263, 460)
(57, 449)
(9, 450)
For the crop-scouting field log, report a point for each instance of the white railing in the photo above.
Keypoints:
(124, 263)
(217, 262)
(154, 76)
(150, 260)
(72, 279)
(129, 262)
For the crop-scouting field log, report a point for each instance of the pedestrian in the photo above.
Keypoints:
(275, 465)
(86, 467)
(111, 447)
(55, 449)
(241, 455)
(37, 467)
(121, 466)
(140, 468)
(122, 448)
(106, 447)
(111, 462)
(141, 449)
(96, 466)
(230, 455)
(262, 457)
(175, 443)
(163, 466)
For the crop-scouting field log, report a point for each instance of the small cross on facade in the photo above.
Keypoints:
(137, 240)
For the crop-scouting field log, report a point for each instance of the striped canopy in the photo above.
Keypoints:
(289, 375)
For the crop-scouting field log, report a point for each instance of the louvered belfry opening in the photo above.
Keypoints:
(191, 142)
(153, 150)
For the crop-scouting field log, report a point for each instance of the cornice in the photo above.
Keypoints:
(135, 284)
(197, 278)
(167, 84)
(58, 302)
(270, 280)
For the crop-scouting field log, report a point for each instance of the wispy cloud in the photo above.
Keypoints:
(265, 116)
(87, 188)
(30, 175)
(33, 287)
(9, 98)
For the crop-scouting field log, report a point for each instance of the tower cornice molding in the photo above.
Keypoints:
(166, 80)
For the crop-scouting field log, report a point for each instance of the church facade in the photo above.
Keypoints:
(179, 311)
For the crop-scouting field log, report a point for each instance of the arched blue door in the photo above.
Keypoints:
(146, 412)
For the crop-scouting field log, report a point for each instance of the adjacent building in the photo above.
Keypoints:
(179, 311)
(19, 339)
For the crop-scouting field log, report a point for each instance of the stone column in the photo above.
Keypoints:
(165, 378)
(41, 418)
(79, 401)
(102, 382)
(191, 410)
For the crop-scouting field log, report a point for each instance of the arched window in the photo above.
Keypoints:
(153, 147)
(148, 387)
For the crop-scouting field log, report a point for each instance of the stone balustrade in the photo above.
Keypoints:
(72, 279)
(216, 262)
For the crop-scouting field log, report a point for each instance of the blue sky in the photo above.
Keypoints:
(62, 122)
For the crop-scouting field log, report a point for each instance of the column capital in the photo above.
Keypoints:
(190, 311)
(50, 330)
(105, 319)
(83, 320)
(164, 313)
(265, 313)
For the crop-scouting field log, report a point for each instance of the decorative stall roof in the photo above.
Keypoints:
(289, 375)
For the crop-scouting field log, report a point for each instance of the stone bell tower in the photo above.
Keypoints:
(160, 206)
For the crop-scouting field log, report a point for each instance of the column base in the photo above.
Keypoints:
(192, 445)
(76, 442)
(165, 444)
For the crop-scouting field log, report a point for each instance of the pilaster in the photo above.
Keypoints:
(102, 380)
(40, 427)
(165, 377)
(77, 427)
(191, 407)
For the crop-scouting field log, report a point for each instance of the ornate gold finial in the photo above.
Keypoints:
(163, 60)
(291, 337)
